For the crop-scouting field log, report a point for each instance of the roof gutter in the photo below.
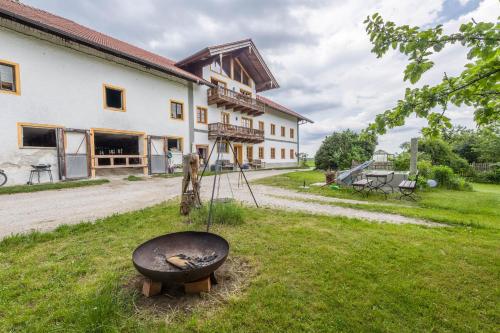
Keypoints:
(54, 31)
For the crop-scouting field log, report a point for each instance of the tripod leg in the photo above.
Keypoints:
(208, 161)
(243, 174)
(209, 220)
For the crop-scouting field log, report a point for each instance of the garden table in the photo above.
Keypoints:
(380, 179)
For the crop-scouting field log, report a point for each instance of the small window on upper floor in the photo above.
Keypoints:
(240, 74)
(114, 98)
(201, 115)
(273, 129)
(38, 137)
(283, 131)
(292, 133)
(261, 125)
(176, 110)
(9, 77)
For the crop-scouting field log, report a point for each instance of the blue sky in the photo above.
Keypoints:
(318, 50)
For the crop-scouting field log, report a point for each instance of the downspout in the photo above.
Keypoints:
(191, 116)
(298, 144)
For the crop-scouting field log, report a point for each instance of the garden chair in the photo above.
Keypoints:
(408, 188)
(361, 184)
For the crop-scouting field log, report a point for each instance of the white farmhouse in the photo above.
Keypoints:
(88, 104)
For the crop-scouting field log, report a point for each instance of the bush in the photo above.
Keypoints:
(226, 213)
(446, 178)
(424, 168)
(492, 176)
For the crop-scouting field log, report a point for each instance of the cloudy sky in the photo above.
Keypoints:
(318, 50)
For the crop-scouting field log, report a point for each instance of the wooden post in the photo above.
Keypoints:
(413, 155)
(151, 288)
(190, 198)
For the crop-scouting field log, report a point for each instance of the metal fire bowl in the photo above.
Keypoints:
(150, 257)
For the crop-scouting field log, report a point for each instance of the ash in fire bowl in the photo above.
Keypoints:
(181, 257)
(179, 262)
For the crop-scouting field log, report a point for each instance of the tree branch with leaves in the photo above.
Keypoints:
(477, 86)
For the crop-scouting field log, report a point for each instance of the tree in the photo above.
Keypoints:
(487, 145)
(477, 86)
(339, 149)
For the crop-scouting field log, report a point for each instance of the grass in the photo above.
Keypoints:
(50, 186)
(478, 208)
(226, 213)
(314, 274)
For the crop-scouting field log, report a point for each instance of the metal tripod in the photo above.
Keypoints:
(218, 142)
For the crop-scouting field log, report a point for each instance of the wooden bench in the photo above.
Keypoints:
(226, 165)
(257, 164)
(361, 185)
(408, 188)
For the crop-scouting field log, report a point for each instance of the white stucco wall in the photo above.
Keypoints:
(64, 87)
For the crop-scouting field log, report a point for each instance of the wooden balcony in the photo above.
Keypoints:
(235, 133)
(233, 100)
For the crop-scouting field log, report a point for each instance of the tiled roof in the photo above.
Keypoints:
(281, 108)
(60, 25)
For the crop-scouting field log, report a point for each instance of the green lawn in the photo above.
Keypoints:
(50, 186)
(313, 274)
(478, 208)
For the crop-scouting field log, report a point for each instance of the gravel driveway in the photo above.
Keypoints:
(47, 209)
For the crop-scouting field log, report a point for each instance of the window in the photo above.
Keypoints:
(292, 133)
(37, 136)
(247, 122)
(273, 153)
(283, 131)
(114, 98)
(261, 125)
(273, 129)
(176, 110)
(283, 153)
(223, 147)
(240, 74)
(226, 118)
(174, 144)
(261, 153)
(201, 115)
(9, 77)
(292, 154)
(226, 66)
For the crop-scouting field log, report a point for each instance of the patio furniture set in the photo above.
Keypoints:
(380, 181)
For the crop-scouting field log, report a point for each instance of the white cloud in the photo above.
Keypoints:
(318, 50)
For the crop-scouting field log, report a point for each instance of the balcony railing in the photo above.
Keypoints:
(229, 99)
(235, 133)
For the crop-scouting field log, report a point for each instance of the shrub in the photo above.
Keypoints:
(446, 178)
(226, 213)
(424, 168)
(492, 176)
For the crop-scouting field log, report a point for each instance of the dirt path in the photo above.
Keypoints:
(48, 209)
